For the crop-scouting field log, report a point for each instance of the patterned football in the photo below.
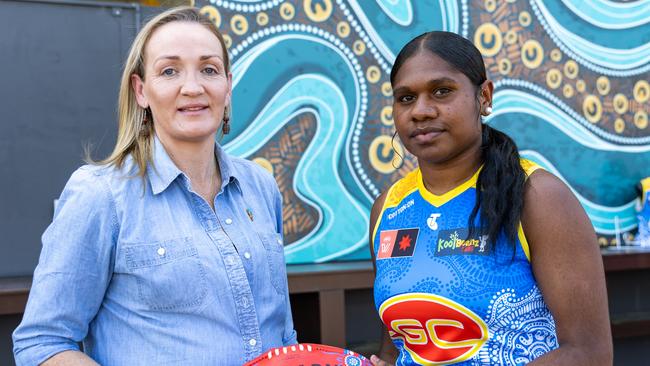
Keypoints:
(309, 354)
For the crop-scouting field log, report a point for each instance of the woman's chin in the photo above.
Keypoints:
(195, 135)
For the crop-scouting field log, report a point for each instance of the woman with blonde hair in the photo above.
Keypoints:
(169, 251)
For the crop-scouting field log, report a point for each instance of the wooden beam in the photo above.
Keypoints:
(13, 294)
(330, 276)
(332, 317)
(625, 259)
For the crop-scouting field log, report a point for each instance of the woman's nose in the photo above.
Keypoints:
(191, 85)
(424, 109)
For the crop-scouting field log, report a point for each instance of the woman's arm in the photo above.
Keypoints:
(73, 272)
(70, 358)
(387, 350)
(568, 267)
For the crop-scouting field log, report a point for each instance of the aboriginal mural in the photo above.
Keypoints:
(312, 101)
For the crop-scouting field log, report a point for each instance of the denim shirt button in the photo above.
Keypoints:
(228, 221)
(279, 241)
(252, 342)
(247, 255)
(161, 251)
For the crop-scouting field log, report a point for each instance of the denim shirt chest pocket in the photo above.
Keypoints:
(275, 256)
(169, 274)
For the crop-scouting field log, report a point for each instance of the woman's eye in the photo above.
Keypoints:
(441, 91)
(168, 72)
(406, 98)
(210, 71)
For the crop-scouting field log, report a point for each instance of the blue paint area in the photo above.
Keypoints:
(428, 15)
(604, 177)
(608, 14)
(278, 62)
(607, 51)
(400, 11)
(629, 32)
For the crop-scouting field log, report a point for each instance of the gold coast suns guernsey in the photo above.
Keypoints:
(643, 236)
(446, 298)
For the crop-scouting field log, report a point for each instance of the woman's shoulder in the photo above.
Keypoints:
(91, 173)
(87, 189)
(402, 188)
(396, 191)
(101, 177)
(546, 190)
(110, 170)
(529, 166)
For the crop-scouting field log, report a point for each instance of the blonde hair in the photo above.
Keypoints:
(134, 137)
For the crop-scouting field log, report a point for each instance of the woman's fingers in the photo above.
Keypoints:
(376, 361)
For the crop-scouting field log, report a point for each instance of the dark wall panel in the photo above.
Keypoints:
(61, 67)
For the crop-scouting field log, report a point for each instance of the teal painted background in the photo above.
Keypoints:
(312, 101)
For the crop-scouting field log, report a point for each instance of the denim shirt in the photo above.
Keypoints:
(154, 276)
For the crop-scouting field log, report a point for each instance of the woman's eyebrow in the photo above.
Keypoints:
(434, 81)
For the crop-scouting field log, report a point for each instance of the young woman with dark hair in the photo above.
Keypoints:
(481, 257)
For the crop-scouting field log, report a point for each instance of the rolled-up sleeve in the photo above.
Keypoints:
(73, 272)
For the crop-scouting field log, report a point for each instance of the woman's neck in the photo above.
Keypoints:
(440, 178)
(198, 161)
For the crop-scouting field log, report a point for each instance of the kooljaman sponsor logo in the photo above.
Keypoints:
(435, 330)
(456, 241)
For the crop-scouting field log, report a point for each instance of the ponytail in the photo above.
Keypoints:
(499, 188)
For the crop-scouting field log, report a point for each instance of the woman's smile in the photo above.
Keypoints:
(193, 109)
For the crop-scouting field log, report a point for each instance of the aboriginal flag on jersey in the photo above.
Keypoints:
(397, 243)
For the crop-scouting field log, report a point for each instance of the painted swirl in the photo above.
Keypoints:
(312, 101)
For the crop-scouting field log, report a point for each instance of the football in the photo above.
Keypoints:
(309, 354)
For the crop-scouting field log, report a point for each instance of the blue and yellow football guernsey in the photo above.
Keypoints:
(447, 298)
(643, 236)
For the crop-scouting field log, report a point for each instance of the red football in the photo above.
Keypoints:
(309, 354)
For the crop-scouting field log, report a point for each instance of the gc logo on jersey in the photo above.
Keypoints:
(435, 330)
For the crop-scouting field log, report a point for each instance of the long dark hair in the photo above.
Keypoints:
(500, 184)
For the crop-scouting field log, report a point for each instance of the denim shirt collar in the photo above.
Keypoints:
(163, 171)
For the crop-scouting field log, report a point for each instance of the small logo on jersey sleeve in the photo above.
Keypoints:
(435, 330)
(456, 242)
(397, 243)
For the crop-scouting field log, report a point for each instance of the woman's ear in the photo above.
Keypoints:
(138, 89)
(487, 90)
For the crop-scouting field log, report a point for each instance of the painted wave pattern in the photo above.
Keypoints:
(572, 90)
